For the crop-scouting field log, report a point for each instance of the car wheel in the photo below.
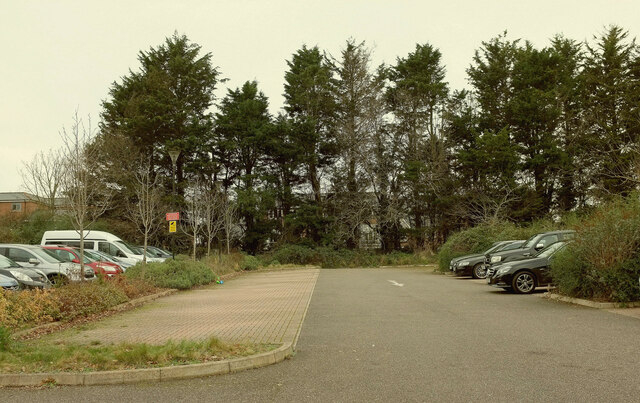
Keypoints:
(524, 282)
(479, 271)
(58, 279)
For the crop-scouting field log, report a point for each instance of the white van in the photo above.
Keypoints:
(96, 240)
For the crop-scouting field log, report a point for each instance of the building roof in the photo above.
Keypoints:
(17, 197)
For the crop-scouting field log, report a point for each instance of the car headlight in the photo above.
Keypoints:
(503, 269)
(465, 263)
(496, 259)
(19, 276)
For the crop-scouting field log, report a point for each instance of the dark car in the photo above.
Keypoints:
(473, 265)
(523, 276)
(26, 278)
(531, 247)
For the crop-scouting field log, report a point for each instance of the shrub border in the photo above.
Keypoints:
(149, 374)
(590, 304)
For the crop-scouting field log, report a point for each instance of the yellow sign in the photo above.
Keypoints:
(172, 226)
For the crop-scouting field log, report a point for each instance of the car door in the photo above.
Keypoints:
(542, 270)
(21, 256)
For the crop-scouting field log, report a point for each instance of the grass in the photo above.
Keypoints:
(56, 356)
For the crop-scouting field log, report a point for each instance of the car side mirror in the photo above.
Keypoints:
(539, 246)
(34, 261)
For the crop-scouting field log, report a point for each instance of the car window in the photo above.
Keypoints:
(126, 247)
(46, 255)
(495, 247)
(548, 240)
(530, 242)
(20, 255)
(110, 249)
(512, 246)
(6, 262)
(63, 255)
(551, 249)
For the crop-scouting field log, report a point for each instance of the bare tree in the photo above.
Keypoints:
(85, 197)
(213, 206)
(193, 221)
(43, 175)
(228, 213)
(145, 212)
(491, 208)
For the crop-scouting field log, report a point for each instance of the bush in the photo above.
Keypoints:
(250, 263)
(87, 298)
(180, 274)
(5, 339)
(333, 258)
(604, 261)
(480, 238)
(28, 307)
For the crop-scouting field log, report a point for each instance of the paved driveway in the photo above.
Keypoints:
(435, 338)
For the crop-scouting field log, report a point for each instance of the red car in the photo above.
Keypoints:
(70, 254)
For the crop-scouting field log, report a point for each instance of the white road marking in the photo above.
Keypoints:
(396, 283)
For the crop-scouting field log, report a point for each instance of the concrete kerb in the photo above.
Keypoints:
(590, 304)
(149, 374)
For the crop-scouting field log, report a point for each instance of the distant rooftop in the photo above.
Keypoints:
(17, 197)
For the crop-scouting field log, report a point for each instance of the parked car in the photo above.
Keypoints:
(24, 278)
(108, 258)
(523, 276)
(474, 265)
(150, 255)
(34, 256)
(94, 240)
(9, 283)
(69, 254)
(532, 246)
(158, 252)
(105, 260)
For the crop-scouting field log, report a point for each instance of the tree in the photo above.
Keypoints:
(166, 104)
(356, 91)
(612, 98)
(242, 129)
(43, 175)
(212, 214)
(145, 211)
(310, 104)
(194, 214)
(85, 197)
(417, 96)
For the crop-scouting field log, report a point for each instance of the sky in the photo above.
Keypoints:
(58, 57)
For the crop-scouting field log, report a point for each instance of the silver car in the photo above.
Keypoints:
(24, 278)
(35, 257)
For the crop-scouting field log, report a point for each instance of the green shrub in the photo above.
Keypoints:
(480, 238)
(5, 339)
(603, 263)
(250, 263)
(180, 274)
(87, 298)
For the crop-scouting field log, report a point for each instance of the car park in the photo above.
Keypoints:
(25, 278)
(69, 254)
(523, 276)
(35, 257)
(474, 265)
(531, 247)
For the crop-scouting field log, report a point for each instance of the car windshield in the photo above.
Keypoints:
(512, 246)
(551, 249)
(101, 256)
(87, 258)
(46, 255)
(126, 247)
(493, 248)
(6, 262)
(530, 242)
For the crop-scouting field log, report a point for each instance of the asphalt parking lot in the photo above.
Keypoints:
(403, 334)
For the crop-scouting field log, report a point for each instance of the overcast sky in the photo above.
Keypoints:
(59, 56)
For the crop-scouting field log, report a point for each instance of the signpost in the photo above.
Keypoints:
(173, 216)
(172, 226)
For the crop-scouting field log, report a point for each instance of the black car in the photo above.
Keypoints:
(523, 276)
(531, 247)
(26, 278)
(473, 265)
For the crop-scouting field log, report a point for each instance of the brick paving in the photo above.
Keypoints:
(257, 307)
